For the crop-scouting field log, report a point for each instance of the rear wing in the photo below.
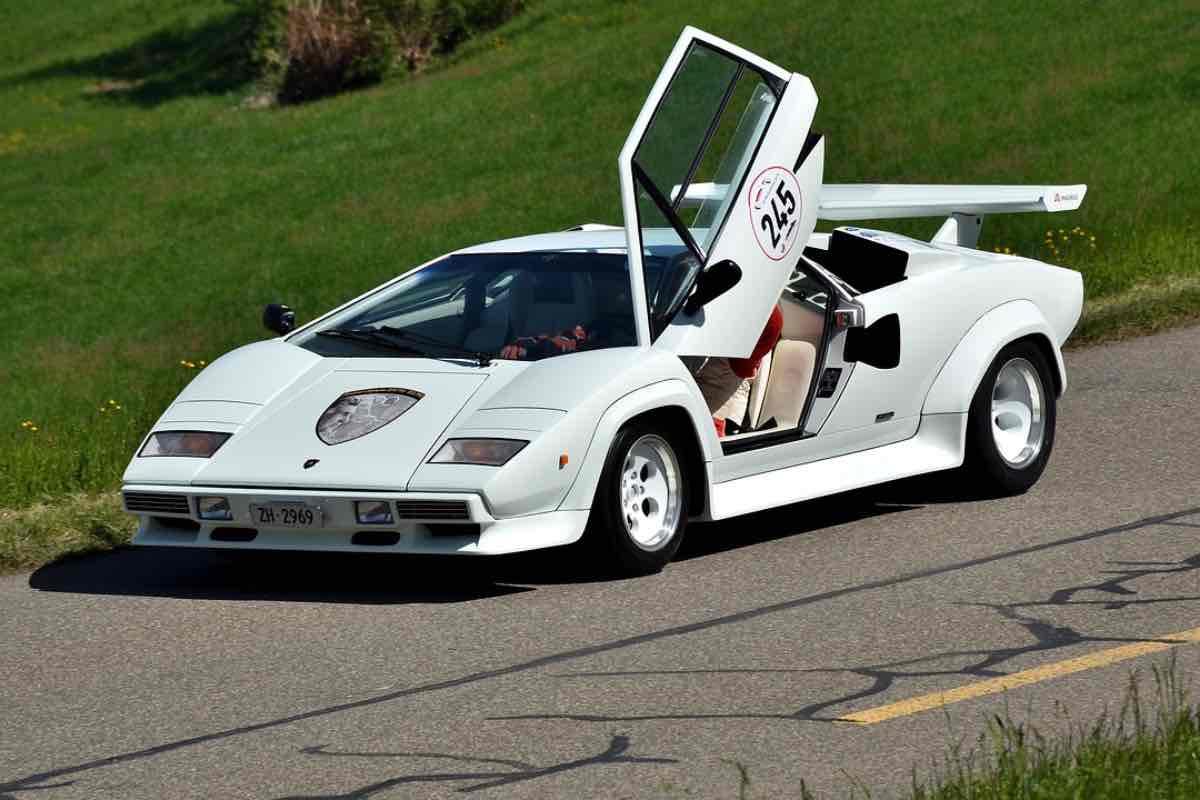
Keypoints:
(857, 201)
(963, 206)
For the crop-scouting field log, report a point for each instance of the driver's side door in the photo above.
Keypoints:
(719, 165)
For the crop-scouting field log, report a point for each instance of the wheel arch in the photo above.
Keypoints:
(670, 407)
(959, 377)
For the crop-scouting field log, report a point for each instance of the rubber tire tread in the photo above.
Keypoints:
(984, 467)
(605, 539)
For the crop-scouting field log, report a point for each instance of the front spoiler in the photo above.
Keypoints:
(479, 534)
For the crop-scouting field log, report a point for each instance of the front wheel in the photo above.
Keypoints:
(640, 509)
(1010, 428)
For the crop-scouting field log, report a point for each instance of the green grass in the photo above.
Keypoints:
(1145, 751)
(145, 218)
(71, 525)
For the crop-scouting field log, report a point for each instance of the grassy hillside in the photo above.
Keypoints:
(145, 217)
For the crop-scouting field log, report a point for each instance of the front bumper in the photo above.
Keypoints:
(425, 522)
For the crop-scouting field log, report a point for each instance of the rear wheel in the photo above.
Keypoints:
(1010, 428)
(640, 509)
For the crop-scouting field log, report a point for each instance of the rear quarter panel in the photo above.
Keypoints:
(936, 311)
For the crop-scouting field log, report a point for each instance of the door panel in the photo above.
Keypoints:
(710, 165)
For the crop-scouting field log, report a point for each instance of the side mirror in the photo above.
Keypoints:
(877, 345)
(712, 283)
(279, 318)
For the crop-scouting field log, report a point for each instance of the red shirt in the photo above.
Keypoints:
(747, 367)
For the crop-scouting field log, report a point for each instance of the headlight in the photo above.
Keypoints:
(489, 452)
(358, 413)
(213, 508)
(190, 444)
(373, 512)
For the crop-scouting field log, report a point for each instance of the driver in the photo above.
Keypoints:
(531, 348)
(725, 382)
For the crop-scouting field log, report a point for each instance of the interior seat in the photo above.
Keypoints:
(780, 389)
(791, 373)
(758, 392)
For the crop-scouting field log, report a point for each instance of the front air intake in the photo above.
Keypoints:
(156, 503)
(433, 509)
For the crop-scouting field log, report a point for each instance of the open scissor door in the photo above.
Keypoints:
(716, 167)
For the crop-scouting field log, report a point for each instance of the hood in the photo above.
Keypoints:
(270, 396)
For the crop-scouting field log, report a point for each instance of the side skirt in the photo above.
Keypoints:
(937, 445)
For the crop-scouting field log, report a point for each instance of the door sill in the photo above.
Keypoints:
(754, 441)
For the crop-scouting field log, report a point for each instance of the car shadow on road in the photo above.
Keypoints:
(289, 577)
(386, 579)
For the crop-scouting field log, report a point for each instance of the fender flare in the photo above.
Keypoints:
(656, 396)
(956, 382)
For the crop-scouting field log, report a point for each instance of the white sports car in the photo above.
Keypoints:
(544, 390)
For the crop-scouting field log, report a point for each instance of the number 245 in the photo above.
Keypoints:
(777, 224)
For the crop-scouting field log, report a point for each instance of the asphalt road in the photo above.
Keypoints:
(146, 674)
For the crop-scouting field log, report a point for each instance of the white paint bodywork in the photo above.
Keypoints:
(957, 308)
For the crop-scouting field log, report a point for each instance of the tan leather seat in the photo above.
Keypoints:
(791, 372)
(780, 388)
(758, 391)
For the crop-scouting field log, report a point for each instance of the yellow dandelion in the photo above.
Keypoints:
(183, 363)
(202, 363)
(116, 408)
(33, 427)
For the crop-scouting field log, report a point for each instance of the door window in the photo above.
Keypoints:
(698, 146)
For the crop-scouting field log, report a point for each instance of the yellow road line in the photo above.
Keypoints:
(1003, 683)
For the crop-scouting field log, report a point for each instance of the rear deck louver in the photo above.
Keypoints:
(432, 509)
(156, 503)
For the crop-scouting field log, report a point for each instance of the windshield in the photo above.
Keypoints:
(522, 306)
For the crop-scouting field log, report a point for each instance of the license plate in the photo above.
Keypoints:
(287, 515)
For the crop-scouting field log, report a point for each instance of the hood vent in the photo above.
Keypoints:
(156, 503)
(433, 509)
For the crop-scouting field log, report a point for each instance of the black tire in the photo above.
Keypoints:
(987, 470)
(607, 537)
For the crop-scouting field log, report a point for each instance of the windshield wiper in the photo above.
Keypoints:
(371, 337)
(483, 359)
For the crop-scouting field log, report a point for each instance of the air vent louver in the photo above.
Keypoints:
(156, 503)
(432, 509)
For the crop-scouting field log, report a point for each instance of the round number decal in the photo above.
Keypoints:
(775, 211)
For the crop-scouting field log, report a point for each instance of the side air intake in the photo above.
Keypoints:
(156, 503)
(433, 509)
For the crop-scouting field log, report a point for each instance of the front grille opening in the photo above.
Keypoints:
(432, 509)
(375, 538)
(177, 524)
(452, 529)
(157, 503)
(233, 534)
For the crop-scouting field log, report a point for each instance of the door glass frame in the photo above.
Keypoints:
(633, 177)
